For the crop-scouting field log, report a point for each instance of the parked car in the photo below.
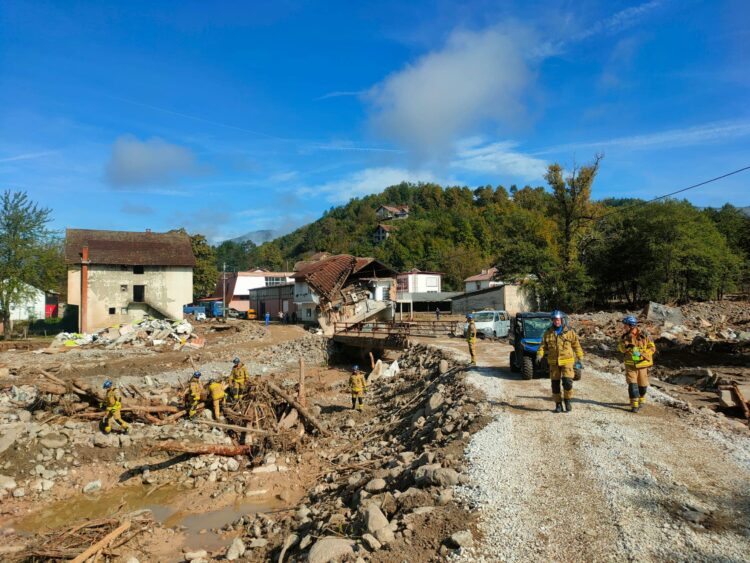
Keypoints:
(491, 324)
(234, 313)
(526, 337)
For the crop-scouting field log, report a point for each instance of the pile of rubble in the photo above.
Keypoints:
(690, 324)
(139, 334)
(395, 475)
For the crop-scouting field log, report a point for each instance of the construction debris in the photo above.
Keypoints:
(145, 332)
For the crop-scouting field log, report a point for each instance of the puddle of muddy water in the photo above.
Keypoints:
(165, 502)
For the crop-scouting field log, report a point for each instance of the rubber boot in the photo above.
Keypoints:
(558, 407)
(634, 405)
(568, 405)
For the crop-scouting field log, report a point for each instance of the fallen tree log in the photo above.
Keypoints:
(233, 427)
(302, 410)
(199, 449)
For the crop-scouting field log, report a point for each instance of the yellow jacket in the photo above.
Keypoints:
(357, 383)
(239, 375)
(629, 345)
(217, 390)
(562, 349)
(471, 330)
(112, 401)
(195, 389)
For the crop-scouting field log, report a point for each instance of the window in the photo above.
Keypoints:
(137, 269)
(112, 310)
(123, 310)
(275, 280)
(479, 285)
(124, 287)
(139, 293)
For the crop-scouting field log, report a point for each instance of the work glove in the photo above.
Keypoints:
(578, 365)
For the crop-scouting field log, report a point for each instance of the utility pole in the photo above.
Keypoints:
(224, 291)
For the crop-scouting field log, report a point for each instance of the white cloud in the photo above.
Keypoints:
(340, 94)
(154, 161)
(26, 156)
(620, 20)
(477, 77)
(284, 176)
(689, 136)
(497, 158)
(365, 182)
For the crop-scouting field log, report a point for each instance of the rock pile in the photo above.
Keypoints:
(691, 324)
(146, 332)
(396, 471)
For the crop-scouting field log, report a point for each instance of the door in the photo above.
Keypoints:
(139, 293)
(503, 324)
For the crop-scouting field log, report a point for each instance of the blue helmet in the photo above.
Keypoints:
(355, 367)
(630, 320)
(236, 361)
(469, 316)
(107, 384)
(196, 374)
(556, 314)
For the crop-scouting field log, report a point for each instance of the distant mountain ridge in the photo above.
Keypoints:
(256, 237)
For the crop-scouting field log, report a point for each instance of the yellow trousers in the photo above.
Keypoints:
(114, 414)
(217, 408)
(472, 342)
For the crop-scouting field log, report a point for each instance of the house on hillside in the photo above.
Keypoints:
(388, 212)
(120, 276)
(487, 278)
(235, 287)
(343, 288)
(382, 233)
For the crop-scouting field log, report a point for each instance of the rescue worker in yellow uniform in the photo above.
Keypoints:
(238, 380)
(113, 405)
(564, 353)
(216, 392)
(471, 338)
(638, 351)
(358, 387)
(193, 397)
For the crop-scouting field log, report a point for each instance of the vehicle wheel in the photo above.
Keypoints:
(513, 366)
(494, 334)
(528, 367)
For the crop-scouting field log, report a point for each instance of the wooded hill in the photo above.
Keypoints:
(579, 253)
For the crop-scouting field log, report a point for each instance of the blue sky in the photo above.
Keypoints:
(229, 117)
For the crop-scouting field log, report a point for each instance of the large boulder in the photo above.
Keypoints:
(662, 313)
(374, 518)
(434, 474)
(328, 550)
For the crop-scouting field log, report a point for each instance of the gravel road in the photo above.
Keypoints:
(601, 483)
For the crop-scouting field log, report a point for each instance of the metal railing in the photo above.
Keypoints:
(402, 328)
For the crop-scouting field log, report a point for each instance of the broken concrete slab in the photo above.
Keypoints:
(663, 313)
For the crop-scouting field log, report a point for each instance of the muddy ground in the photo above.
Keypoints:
(381, 486)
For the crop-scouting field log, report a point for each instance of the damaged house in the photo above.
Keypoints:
(343, 288)
(117, 277)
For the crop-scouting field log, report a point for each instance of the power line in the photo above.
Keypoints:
(638, 204)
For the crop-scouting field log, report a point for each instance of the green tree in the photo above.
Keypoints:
(205, 274)
(666, 251)
(236, 255)
(27, 252)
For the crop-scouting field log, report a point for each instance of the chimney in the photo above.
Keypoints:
(83, 324)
